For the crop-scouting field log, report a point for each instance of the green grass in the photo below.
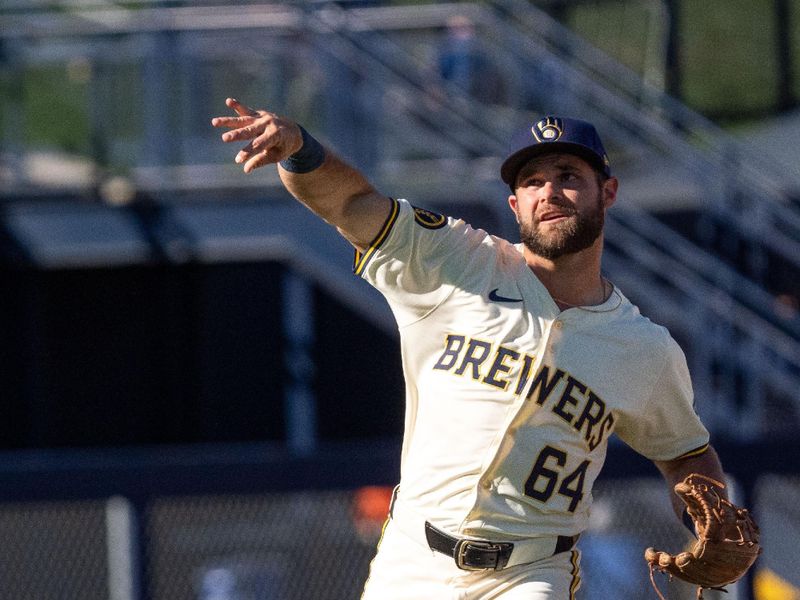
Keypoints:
(729, 55)
(620, 29)
(55, 104)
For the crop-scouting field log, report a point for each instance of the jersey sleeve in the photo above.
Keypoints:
(420, 257)
(667, 426)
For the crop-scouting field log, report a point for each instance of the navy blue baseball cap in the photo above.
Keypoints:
(556, 134)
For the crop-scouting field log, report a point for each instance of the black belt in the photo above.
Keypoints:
(473, 555)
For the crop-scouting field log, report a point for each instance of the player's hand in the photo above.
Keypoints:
(271, 138)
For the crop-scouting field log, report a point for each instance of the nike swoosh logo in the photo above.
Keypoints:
(495, 297)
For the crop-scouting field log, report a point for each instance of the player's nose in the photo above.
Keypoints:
(550, 189)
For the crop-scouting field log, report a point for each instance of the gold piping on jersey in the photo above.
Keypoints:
(695, 452)
(576, 574)
(380, 540)
(361, 260)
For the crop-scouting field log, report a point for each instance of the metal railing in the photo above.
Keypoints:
(736, 309)
(746, 191)
(673, 275)
(717, 327)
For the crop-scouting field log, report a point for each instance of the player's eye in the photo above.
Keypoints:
(533, 182)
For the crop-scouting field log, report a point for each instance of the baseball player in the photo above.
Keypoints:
(520, 361)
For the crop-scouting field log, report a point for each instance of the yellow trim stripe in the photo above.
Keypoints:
(378, 547)
(695, 452)
(362, 260)
(576, 574)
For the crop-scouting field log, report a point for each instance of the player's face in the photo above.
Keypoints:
(560, 205)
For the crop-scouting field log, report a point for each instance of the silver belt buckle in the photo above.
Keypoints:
(502, 552)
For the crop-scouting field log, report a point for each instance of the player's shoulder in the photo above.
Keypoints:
(640, 331)
(426, 218)
(448, 226)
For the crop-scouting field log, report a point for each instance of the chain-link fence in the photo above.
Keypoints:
(318, 545)
(54, 551)
(778, 515)
(628, 515)
(266, 547)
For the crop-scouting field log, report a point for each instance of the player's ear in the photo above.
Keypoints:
(512, 202)
(609, 191)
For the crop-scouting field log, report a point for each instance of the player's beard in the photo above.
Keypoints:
(573, 234)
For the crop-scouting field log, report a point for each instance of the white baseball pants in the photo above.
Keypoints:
(405, 569)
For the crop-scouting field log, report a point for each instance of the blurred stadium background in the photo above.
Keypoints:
(201, 402)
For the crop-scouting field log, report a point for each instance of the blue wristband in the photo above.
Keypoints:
(310, 156)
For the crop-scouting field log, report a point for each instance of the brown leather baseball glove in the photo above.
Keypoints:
(727, 539)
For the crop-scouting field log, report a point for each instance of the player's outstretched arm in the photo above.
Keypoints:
(331, 188)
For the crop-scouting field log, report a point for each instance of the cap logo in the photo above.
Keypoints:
(548, 129)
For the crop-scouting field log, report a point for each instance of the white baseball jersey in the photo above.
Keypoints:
(511, 401)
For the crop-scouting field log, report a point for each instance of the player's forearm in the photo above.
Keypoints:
(330, 190)
(342, 196)
(675, 471)
(321, 180)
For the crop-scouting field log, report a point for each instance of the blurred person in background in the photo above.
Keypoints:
(464, 64)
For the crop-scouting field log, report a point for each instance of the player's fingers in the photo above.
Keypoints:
(259, 159)
(231, 122)
(241, 109)
(249, 132)
(255, 161)
(262, 143)
(265, 140)
(242, 156)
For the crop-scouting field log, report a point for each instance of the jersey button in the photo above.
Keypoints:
(558, 325)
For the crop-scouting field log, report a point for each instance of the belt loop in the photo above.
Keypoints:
(564, 543)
